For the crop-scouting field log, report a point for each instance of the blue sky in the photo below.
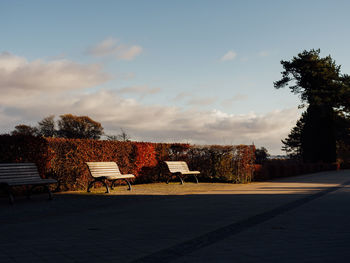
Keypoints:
(192, 71)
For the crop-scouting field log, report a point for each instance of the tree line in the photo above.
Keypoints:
(68, 126)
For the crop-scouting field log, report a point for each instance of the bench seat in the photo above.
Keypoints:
(122, 176)
(22, 174)
(17, 182)
(107, 171)
(180, 169)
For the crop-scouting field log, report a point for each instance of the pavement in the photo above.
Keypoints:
(297, 219)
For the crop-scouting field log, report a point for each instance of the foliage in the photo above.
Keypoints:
(25, 148)
(317, 80)
(25, 130)
(69, 157)
(223, 163)
(69, 126)
(46, 127)
(292, 144)
(261, 155)
(79, 127)
(244, 163)
(326, 93)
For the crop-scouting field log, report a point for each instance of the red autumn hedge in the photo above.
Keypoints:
(64, 159)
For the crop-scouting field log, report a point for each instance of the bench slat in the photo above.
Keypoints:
(31, 182)
(180, 167)
(177, 166)
(4, 179)
(122, 176)
(17, 165)
(24, 172)
(106, 169)
(4, 173)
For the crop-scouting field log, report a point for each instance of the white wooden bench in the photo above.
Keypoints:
(18, 174)
(180, 169)
(107, 171)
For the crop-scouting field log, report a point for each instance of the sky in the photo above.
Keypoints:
(195, 71)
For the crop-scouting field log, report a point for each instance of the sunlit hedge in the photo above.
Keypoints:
(64, 159)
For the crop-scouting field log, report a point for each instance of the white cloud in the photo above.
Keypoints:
(182, 95)
(125, 75)
(112, 47)
(196, 101)
(17, 75)
(193, 99)
(128, 53)
(230, 55)
(142, 90)
(264, 53)
(236, 98)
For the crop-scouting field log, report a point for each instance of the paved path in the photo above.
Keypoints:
(299, 219)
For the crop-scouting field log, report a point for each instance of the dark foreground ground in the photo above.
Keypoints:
(299, 219)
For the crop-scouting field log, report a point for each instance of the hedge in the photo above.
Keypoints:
(272, 169)
(64, 159)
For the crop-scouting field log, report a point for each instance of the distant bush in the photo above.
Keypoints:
(223, 163)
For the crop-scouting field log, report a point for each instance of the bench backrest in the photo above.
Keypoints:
(177, 166)
(101, 169)
(18, 172)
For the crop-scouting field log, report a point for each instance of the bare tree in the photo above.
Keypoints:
(123, 136)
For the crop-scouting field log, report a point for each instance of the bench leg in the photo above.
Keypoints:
(178, 175)
(6, 188)
(9, 192)
(112, 184)
(181, 179)
(127, 181)
(47, 188)
(103, 181)
(89, 186)
(28, 191)
(106, 185)
(195, 178)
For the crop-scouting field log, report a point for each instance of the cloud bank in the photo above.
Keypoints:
(17, 75)
(34, 100)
